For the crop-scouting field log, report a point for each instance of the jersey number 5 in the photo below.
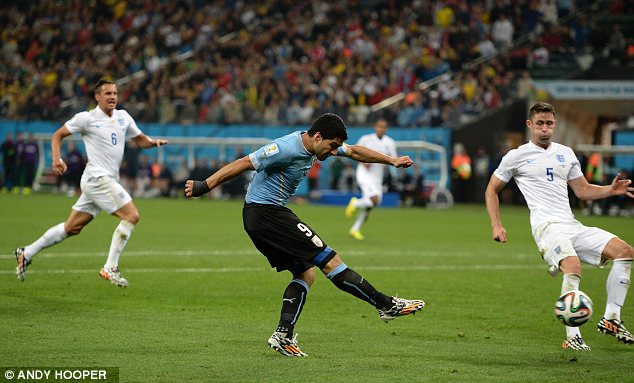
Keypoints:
(549, 174)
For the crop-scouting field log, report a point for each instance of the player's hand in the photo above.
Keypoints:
(160, 142)
(403, 162)
(188, 188)
(620, 186)
(196, 188)
(59, 166)
(499, 234)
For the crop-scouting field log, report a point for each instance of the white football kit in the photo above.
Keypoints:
(370, 176)
(542, 176)
(104, 138)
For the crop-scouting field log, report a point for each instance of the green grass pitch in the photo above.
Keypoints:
(202, 302)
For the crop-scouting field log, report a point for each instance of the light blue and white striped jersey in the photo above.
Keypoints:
(280, 167)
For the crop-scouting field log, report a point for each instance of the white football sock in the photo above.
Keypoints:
(361, 218)
(616, 286)
(120, 238)
(570, 282)
(52, 236)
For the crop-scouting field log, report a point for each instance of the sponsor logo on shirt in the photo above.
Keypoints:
(530, 161)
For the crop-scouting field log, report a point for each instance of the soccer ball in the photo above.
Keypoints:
(573, 308)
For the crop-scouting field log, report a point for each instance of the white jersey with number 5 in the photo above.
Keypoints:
(374, 172)
(542, 175)
(104, 137)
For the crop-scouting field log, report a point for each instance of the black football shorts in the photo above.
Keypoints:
(286, 241)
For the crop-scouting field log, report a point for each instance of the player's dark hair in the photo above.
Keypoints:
(380, 119)
(100, 83)
(540, 107)
(330, 126)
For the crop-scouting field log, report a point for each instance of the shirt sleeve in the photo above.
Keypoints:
(270, 156)
(506, 169)
(77, 123)
(575, 170)
(133, 129)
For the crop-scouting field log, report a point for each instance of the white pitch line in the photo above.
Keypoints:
(203, 253)
(262, 269)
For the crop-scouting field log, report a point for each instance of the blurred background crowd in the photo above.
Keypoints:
(284, 62)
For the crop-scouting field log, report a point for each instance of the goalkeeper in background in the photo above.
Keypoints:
(286, 241)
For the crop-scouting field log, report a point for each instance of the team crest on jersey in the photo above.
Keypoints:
(561, 158)
(317, 241)
(271, 150)
(121, 121)
(557, 250)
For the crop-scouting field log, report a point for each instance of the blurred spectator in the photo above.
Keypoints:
(313, 180)
(481, 166)
(9, 153)
(75, 161)
(144, 175)
(179, 176)
(336, 172)
(460, 172)
(349, 178)
(130, 167)
(29, 159)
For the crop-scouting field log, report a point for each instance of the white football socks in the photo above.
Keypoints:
(362, 216)
(570, 282)
(617, 284)
(120, 238)
(51, 237)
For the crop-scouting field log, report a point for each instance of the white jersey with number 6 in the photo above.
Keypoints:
(104, 137)
(542, 176)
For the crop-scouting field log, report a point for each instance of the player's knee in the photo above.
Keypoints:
(73, 229)
(628, 252)
(307, 276)
(134, 218)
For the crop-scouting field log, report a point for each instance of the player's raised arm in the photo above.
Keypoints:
(143, 141)
(363, 154)
(195, 188)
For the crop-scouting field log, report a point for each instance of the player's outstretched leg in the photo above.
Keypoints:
(575, 343)
(23, 263)
(389, 308)
(615, 328)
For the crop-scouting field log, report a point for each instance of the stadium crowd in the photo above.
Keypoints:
(283, 62)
